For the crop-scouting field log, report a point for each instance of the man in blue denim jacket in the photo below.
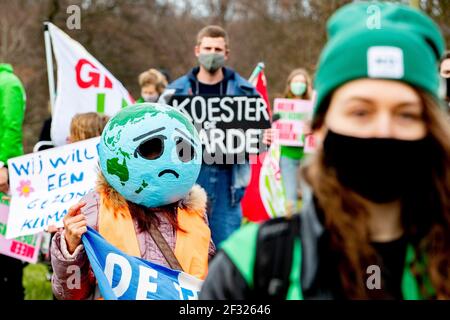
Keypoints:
(224, 183)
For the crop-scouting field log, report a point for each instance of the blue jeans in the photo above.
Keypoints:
(224, 213)
(289, 174)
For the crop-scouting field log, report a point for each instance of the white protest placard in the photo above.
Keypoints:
(293, 114)
(45, 184)
(24, 248)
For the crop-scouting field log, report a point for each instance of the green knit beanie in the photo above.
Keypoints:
(403, 44)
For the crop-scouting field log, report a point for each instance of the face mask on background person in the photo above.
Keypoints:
(298, 88)
(211, 61)
(379, 169)
(150, 97)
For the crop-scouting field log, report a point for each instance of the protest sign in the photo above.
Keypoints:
(292, 116)
(83, 85)
(271, 185)
(123, 277)
(45, 184)
(226, 124)
(24, 248)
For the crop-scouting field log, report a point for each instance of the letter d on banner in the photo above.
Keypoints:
(113, 260)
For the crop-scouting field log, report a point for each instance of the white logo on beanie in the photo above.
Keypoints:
(385, 62)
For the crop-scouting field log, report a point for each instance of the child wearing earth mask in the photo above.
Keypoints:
(145, 201)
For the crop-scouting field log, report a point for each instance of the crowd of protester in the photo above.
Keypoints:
(375, 192)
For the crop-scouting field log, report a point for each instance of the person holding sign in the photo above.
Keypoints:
(375, 223)
(145, 202)
(225, 183)
(299, 87)
(12, 112)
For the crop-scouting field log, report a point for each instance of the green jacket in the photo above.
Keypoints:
(231, 272)
(12, 111)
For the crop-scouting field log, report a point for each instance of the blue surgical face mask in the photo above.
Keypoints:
(298, 88)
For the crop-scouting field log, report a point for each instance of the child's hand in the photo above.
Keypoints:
(75, 225)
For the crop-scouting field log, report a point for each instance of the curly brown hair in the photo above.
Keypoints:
(87, 125)
(425, 218)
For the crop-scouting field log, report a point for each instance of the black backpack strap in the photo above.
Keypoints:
(274, 253)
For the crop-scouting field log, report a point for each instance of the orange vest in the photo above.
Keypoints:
(192, 245)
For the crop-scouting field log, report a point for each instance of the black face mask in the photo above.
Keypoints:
(380, 170)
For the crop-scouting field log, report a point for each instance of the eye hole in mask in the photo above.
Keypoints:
(151, 149)
(185, 150)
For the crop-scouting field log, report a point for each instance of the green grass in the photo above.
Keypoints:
(36, 282)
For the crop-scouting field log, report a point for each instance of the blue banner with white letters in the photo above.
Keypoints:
(123, 277)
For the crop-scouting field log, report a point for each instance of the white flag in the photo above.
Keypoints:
(271, 187)
(83, 85)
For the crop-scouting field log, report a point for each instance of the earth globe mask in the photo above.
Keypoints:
(151, 154)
